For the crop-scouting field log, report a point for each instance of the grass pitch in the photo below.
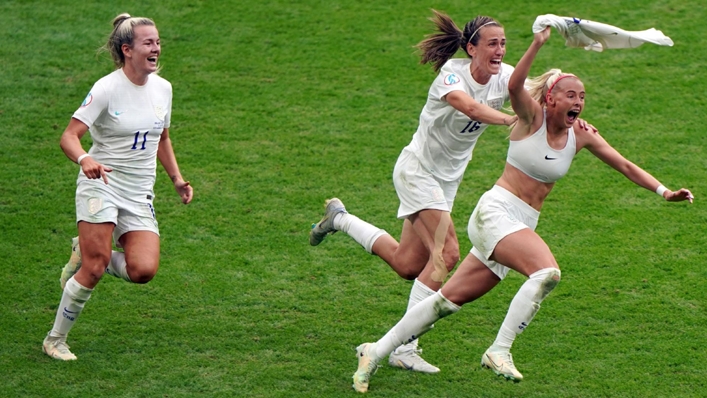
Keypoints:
(279, 105)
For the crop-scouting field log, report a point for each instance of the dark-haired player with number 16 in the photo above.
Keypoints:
(128, 114)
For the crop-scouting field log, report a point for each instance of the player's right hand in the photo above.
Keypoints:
(94, 170)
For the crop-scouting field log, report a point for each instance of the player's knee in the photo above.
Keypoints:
(443, 306)
(451, 256)
(408, 274)
(408, 267)
(550, 278)
(553, 278)
(452, 261)
(94, 266)
(142, 277)
(142, 272)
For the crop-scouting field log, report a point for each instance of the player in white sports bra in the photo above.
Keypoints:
(501, 228)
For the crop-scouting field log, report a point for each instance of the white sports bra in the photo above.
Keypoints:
(537, 159)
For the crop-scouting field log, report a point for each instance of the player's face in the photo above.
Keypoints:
(568, 99)
(145, 50)
(488, 53)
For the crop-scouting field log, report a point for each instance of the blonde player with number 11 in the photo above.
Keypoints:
(128, 113)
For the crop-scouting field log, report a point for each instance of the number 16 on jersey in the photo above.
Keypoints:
(472, 126)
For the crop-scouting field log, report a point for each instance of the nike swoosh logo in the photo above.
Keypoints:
(492, 361)
(406, 366)
(118, 113)
(549, 158)
(70, 312)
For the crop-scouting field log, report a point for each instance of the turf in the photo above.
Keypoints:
(279, 105)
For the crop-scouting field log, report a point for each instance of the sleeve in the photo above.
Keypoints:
(93, 106)
(446, 82)
(168, 115)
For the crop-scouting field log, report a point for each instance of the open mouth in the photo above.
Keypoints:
(572, 115)
(152, 60)
(496, 62)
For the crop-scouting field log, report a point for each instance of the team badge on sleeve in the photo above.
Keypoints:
(87, 101)
(451, 79)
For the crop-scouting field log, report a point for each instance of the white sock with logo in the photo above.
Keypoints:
(117, 266)
(72, 302)
(524, 306)
(362, 232)
(416, 322)
(419, 292)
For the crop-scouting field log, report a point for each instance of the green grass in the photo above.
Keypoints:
(279, 105)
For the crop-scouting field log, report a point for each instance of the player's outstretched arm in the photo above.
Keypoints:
(596, 144)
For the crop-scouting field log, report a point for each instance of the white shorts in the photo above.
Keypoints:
(418, 189)
(97, 203)
(498, 214)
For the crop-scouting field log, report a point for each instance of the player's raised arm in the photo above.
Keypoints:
(523, 104)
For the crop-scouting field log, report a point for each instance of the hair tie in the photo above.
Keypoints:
(562, 76)
(474, 34)
(120, 21)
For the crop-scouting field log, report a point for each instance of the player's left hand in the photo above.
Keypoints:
(185, 191)
(542, 36)
(679, 195)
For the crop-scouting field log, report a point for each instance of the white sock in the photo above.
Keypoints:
(419, 292)
(525, 305)
(416, 322)
(362, 232)
(117, 266)
(72, 302)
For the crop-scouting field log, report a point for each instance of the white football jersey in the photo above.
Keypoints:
(445, 137)
(126, 122)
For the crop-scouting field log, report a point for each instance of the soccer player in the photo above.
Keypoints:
(543, 143)
(464, 99)
(128, 114)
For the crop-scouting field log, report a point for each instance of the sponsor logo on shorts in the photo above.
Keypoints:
(94, 205)
(451, 79)
(438, 195)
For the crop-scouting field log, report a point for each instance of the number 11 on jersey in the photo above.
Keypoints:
(144, 140)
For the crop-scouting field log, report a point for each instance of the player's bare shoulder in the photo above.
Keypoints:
(584, 134)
